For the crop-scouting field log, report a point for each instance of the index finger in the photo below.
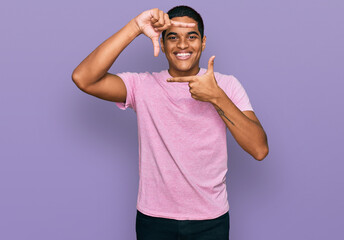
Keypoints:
(182, 24)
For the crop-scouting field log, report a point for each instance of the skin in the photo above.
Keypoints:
(180, 40)
(244, 126)
(92, 76)
(154, 21)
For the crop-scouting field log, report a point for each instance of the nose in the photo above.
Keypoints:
(182, 43)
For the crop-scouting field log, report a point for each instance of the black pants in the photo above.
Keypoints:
(155, 228)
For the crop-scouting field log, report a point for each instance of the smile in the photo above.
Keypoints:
(183, 56)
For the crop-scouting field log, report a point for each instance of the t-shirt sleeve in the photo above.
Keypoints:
(130, 81)
(238, 94)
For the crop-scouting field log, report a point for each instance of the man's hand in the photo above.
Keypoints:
(203, 88)
(153, 22)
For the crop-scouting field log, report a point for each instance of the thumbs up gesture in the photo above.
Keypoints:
(153, 22)
(203, 88)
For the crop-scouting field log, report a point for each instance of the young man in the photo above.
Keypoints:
(182, 114)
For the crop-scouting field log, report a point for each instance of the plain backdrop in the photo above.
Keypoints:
(69, 161)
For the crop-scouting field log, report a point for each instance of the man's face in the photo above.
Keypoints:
(183, 47)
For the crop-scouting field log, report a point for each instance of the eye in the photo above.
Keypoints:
(172, 38)
(193, 37)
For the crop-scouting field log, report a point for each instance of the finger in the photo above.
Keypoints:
(160, 29)
(161, 18)
(166, 25)
(182, 24)
(154, 15)
(181, 79)
(194, 96)
(211, 64)
(155, 41)
(167, 20)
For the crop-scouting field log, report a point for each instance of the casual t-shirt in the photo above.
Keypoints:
(182, 145)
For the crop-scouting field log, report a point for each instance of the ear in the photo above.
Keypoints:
(162, 45)
(203, 42)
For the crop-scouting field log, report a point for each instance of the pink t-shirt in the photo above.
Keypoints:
(182, 146)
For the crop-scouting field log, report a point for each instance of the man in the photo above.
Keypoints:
(182, 113)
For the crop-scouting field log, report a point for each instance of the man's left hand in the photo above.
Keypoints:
(203, 88)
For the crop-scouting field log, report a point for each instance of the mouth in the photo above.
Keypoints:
(183, 55)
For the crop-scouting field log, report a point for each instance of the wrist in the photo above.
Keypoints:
(134, 27)
(218, 95)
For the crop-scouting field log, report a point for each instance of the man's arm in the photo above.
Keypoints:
(244, 126)
(91, 74)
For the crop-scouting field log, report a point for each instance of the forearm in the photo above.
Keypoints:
(98, 62)
(249, 134)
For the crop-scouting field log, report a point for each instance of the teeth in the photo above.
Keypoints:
(183, 54)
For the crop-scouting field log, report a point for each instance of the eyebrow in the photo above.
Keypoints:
(189, 33)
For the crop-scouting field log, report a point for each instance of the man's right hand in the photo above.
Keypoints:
(153, 22)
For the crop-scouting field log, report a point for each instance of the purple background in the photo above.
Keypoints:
(69, 161)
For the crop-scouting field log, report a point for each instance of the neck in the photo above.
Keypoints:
(192, 72)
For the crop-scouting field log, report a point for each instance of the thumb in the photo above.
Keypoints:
(156, 46)
(211, 64)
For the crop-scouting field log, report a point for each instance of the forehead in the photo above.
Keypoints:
(183, 29)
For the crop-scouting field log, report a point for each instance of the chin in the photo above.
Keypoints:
(184, 67)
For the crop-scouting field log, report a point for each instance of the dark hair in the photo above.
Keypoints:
(182, 11)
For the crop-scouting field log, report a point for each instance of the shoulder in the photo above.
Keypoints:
(225, 79)
(230, 84)
(138, 75)
(146, 75)
(162, 73)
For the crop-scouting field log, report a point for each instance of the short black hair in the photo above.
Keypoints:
(182, 11)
